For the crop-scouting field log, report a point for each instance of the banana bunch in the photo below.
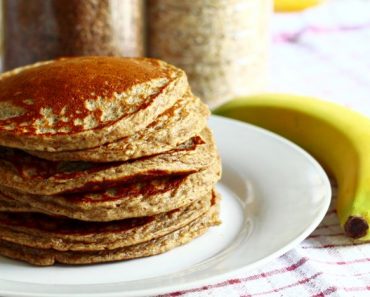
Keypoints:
(337, 137)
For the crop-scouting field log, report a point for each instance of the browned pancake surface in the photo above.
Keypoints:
(44, 257)
(44, 231)
(125, 201)
(182, 121)
(30, 174)
(81, 102)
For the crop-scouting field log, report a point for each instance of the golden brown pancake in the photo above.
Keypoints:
(83, 102)
(45, 257)
(126, 201)
(182, 121)
(54, 232)
(29, 174)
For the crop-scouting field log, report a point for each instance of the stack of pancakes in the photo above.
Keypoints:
(102, 159)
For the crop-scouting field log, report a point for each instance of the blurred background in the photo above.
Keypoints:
(324, 51)
(228, 48)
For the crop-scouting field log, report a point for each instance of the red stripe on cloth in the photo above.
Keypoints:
(348, 274)
(356, 289)
(330, 246)
(331, 290)
(362, 260)
(326, 292)
(174, 294)
(300, 282)
(234, 281)
(325, 235)
(292, 36)
(289, 268)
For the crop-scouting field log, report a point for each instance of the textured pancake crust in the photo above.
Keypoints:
(47, 257)
(184, 120)
(29, 174)
(62, 234)
(117, 203)
(83, 102)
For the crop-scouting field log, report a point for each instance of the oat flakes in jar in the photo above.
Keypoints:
(222, 44)
(38, 30)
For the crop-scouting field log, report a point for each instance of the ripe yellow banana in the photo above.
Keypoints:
(294, 5)
(336, 136)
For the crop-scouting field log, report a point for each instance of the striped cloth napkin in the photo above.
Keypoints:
(330, 45)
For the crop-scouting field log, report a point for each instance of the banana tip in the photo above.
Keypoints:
(356, 227)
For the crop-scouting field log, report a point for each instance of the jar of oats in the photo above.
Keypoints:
(222, 44)
(36, 30)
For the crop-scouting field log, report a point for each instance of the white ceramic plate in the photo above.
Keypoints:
(274, 195)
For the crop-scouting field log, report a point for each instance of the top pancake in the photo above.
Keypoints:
(83, 102)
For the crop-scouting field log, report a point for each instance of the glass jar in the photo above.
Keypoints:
(221, 44)
(36, 30)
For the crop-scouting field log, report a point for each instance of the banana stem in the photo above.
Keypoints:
(356, 227)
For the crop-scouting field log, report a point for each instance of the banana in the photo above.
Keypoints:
(294, 5)
(336, 136)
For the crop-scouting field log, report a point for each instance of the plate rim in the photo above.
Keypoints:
(212, 279)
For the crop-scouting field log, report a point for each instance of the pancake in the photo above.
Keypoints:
(103, 159)
(45, 257)
(29, 174)
(177, 124)
(131, 200)
(84, 102)
(62, 234)
(10, 205)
